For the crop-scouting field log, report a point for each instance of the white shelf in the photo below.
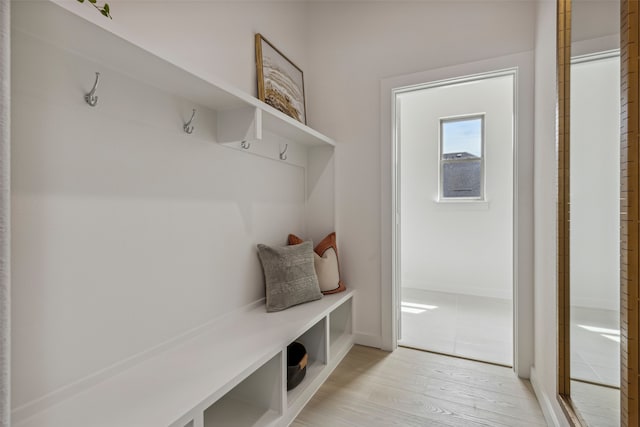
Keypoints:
(256, 401)
(272, 121)
(341, 345)
(178, 383)
(231, 412)
(318, 372)
(340, 329)
(314, 370)
(104, 42)
(314, 340)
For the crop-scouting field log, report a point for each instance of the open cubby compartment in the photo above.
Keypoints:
(315, 342)
(341, 328)
(255, 401)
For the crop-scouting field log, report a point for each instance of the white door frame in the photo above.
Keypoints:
(521, 65)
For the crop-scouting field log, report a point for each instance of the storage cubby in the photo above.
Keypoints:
(173, 388)
(340, 328)
(315, 342)
(256, 401)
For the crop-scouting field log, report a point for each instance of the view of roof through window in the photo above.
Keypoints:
(461, 161)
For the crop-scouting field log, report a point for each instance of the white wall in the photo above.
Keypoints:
(595, 26)
(217, 36)
(343, 64)
(594, 19)
(348, 63)
(544, 373)
(595, 184)
(448, 246)
(126, 231)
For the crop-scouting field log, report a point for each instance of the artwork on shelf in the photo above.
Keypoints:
(280, 81)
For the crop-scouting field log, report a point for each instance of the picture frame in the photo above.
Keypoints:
(280, 81)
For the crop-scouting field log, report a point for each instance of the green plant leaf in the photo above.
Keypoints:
(104, 11)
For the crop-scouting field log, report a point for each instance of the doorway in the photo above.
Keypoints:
(455, 210)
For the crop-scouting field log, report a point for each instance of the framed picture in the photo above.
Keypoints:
(280, 81)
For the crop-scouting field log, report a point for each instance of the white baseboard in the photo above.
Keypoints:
(368, 340)
(597, 303)
(543, 400)
(465, 290)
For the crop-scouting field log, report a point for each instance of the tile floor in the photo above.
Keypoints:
(481, 328)
(595, 345)
(469, 326)
(598, 406)
(595, 357)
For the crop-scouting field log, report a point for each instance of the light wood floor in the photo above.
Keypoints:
(411, 388)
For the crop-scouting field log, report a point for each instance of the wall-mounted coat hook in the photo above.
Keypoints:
(187, 126)
(91, 98)
(246, 145)
(283, 154)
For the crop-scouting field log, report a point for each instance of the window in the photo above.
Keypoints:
(462, 158)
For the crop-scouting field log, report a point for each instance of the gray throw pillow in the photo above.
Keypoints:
(290, 275)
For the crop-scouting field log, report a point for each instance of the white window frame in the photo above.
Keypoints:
(441, 161)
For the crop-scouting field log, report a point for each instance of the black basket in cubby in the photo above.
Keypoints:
(296, 364)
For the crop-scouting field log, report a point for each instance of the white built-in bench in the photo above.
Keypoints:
(233, 373)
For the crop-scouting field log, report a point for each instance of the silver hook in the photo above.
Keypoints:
(246, 145)
(91, 98)
(187, 126)
(283, 154)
